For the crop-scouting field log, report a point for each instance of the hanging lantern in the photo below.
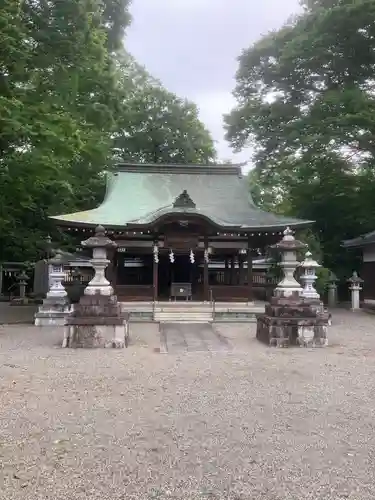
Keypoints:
(171, 256)
(156, 254)
(192, 259)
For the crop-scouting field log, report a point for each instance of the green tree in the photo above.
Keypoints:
(58, 107)
(305, 103)
(155, 125)
(116, 19)
(68, 95)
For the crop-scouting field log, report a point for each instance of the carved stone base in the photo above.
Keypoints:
(91, 336)
(53, 312)
(97, 321)
(292, 321)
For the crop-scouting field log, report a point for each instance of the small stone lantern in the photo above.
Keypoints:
(22, 279)
(288, 247)
(99, 244)
(309, 266)
(56, 277)
(55, 308)
(355, 287)
(332, 290)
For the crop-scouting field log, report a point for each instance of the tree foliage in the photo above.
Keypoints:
(305, 103)
(66, 96)
(156, 126)
(56, 113)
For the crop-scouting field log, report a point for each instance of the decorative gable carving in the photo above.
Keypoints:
(184, 201)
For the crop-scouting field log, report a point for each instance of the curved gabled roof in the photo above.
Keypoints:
(139, 195)
(360, 241)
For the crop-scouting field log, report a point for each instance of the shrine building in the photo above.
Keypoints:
(182, 231)
(364, 245)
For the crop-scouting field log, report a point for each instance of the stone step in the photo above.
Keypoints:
(184, 310)
(178, 317)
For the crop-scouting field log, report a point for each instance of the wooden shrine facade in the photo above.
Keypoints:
(146, 265)
(181, 229)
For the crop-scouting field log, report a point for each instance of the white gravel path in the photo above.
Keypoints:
(251, 423)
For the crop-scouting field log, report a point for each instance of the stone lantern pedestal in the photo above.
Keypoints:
(290, 317)
(97, 320)
(55, 307)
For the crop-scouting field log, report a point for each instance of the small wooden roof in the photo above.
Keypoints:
(360, 241)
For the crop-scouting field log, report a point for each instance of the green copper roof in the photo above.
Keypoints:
(140, 194)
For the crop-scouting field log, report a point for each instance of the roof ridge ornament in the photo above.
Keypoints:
(184, 201)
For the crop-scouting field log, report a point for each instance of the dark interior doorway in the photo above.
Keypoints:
(180, 271)
(164, 277)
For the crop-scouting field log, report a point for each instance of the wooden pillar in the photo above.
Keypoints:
(206, 285)
(249, 270)
(226, 271)
(114, 268)
(232, 271)
(240, 270)
(110, 272)
(155, 275)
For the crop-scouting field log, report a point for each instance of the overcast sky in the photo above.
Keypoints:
(192, 46)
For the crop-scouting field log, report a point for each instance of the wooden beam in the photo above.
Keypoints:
(240, 270)
(226, 271)
(232, 271)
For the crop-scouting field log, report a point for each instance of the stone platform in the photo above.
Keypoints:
(292, 321)
(53, 312)
(96, 321)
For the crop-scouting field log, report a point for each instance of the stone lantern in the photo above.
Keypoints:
(55, 307)
(97, 320)
(355, 287)
(288, 247)
(22, 279)
(99, 244)
(292, 318)
(332, 290)
(56, 277)
(309, 266)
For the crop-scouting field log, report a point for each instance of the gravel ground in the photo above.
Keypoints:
(252, 423)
